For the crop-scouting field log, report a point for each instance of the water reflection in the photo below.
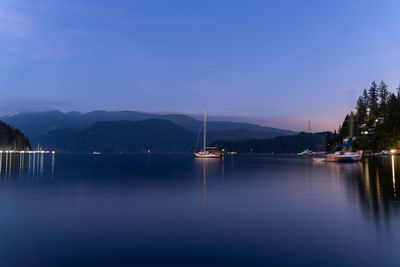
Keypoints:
(214, 165)
(393, 177)
(20, 167)
(375, 182)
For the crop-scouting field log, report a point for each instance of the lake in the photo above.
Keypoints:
(172, 209)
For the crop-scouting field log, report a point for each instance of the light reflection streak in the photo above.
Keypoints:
(13, 166)
(53, 155)
(378, 188)
(377, 191)
(10, 167)
(29, 163)
(205, 165)
(205, 184)
(367, 181)
(33, 163)
(6, 162)
(20, 166)
(41, 163)
(1, 163)
(393, 177)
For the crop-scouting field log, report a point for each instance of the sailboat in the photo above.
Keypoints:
(346, 154)
(207, 152)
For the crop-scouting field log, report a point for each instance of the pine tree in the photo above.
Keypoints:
(365, 96)
(398, 91)
(344, 130)
(390, 121)
(383, 95)
(365, 99)
(361, 110)
(373, 101)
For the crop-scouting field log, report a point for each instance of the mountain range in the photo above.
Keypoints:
(159, 135)
(38, 125)
(156, 135)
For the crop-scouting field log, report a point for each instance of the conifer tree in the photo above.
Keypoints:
(383, 95)
(373, 101)
(398, 91)
(361, 110)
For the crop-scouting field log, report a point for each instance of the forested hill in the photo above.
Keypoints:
(12, 139)
(37, 124)
(122, 136)
(281, 144)
(376, 123)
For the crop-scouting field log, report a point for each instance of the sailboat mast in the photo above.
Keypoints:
(351, 125)
(205, 128)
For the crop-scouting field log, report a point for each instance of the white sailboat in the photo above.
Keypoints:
(207, 152)
(346, 154)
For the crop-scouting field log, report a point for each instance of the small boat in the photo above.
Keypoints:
(96, 153)
(382, 153)
(207, 152)
(344, 156)
(305, 152)
(340, 156)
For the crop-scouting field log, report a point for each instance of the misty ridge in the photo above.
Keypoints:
(129, 131)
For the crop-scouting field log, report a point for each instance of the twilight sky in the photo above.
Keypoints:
(278, 62)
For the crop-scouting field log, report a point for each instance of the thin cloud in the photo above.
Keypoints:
(26, 33)
(15, 26)
(21, 33)
(26, 37)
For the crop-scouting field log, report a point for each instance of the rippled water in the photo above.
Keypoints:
(160, 209)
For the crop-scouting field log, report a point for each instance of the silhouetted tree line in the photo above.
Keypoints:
(12, 139)
(279, 144)
(376, 122)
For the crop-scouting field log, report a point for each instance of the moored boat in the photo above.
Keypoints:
(207, 152)
(305, 152)
(346, 154)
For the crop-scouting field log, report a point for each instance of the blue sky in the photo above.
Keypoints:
(279, 62)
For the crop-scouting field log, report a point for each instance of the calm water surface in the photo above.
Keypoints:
(159, 209)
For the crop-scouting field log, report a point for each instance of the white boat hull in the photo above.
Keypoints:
(207, 154)
(340, 157)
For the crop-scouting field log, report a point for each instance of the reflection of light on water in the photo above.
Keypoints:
(33, 163)
(29, 163)
(12, 165)
(21, 165)
(203, 164)
(205, 183)
(6, 162)
(378, 188)
(52, 164)
(41, 163)
(393, 177)
(367, 181)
